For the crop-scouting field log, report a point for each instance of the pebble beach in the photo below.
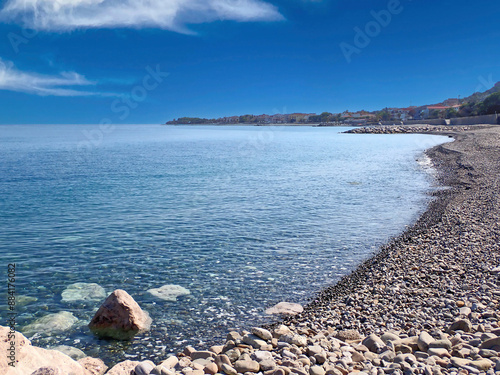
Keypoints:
(427, 303)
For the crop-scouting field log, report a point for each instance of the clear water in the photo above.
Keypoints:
(243, 217)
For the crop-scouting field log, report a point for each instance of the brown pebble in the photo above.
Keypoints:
(211, 369)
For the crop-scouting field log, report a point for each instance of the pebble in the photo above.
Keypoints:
(264, 334)
(201, 354)
(439, 352)
(170, 362)
(373, 343)
(211, 368)
(424, 340)
(254, 341)
(294, 340)
(144, 368)
(461, 325)
(161, 370)
(228, 369)
(243, 366)
(445, 344)
(317, 370)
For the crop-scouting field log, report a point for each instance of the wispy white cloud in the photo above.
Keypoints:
(63, 84)
(65, 15)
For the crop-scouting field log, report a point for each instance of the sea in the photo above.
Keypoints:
(229, 220)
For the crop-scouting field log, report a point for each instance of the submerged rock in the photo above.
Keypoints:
(83, 292)
(51, 323)
(119, 317)
(70, 351)
(169, 292)
(25, 300)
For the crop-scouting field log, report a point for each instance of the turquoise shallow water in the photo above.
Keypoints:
(243, 217)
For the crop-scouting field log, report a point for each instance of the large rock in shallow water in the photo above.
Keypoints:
(119, 317)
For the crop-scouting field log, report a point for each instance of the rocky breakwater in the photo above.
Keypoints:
(407, 129)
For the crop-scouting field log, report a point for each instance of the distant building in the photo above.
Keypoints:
(279, 118)
(300, 117)
(451, 102)
(264, 119)
(402, 114)
(231, 120)
(441, 108)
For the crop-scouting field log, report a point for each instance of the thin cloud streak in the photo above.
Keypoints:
(12, 79)
(66, 15)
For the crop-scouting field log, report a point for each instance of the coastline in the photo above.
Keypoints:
(448, 258)
(267, 124)
(416, 283)
(453, 184)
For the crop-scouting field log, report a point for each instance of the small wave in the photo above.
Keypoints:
(425, 162)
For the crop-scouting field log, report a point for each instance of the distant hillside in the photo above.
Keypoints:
(479, 103)
(480, 96)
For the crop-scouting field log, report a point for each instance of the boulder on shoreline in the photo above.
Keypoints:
(285, 308)
(28, 359)
(119, 317)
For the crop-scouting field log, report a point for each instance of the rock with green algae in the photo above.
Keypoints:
(51, 323)
(83, 292)
(169, 292)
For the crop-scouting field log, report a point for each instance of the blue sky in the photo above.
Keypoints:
(92, 61)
